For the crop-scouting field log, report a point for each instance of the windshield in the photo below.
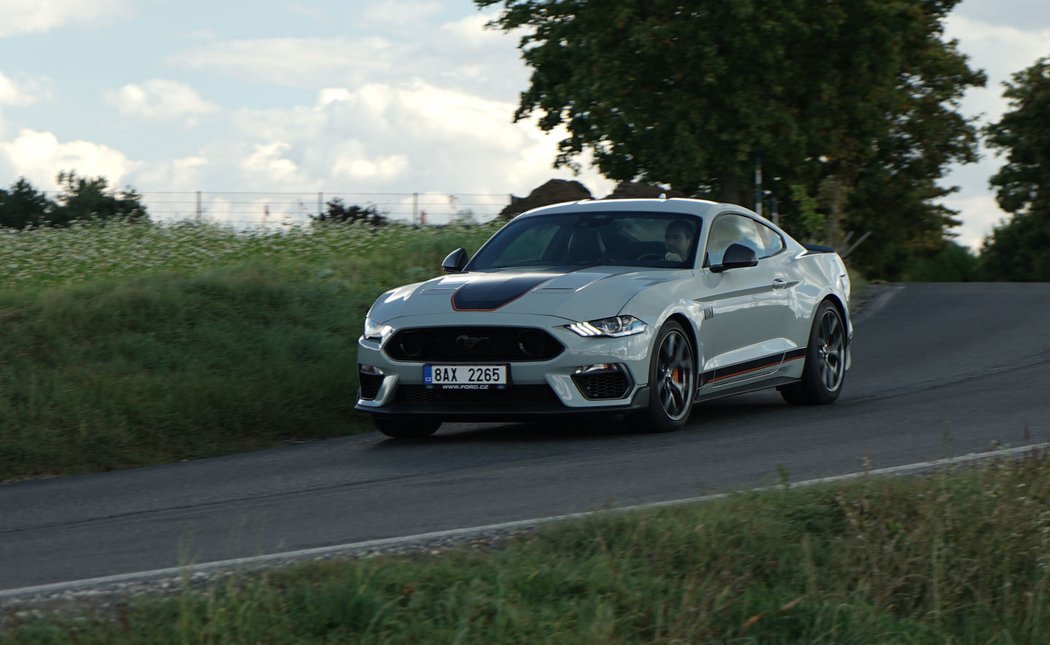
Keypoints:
(662, 240)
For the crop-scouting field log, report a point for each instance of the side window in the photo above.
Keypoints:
(772, 242)
(728, 229)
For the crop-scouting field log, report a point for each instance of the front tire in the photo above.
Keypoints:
(825, 369)
(407, 427)
(672, 382)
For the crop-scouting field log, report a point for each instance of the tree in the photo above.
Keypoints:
(952, 263)
(23, 206)
(686, 93)
(1020, 248)
(338, 211)
(82, 199)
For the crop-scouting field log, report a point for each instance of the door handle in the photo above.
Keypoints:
(779, 283)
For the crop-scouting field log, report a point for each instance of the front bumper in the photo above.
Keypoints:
(536, 388)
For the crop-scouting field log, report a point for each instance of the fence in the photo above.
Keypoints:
(251, 210)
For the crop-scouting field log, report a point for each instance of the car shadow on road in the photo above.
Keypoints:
(553, 429)
(707, 419)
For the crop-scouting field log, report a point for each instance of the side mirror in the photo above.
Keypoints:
(454, 261)
(737, 256)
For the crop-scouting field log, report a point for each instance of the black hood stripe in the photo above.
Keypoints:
(489, 294)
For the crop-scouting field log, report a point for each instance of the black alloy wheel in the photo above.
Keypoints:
(672, 382)
(825, 369)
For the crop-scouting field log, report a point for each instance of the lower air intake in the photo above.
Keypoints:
(612, 384)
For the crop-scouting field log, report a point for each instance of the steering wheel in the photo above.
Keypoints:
(650, 256)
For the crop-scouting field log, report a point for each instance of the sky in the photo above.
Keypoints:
(374, 100)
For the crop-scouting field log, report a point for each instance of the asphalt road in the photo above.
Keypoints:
(938, 371)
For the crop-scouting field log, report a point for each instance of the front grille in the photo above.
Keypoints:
(483, 344)
(369, 384)
(512, 396)
(603, 385)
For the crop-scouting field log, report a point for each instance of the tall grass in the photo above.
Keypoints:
(90, 251)
(126, 345)
(949, 558)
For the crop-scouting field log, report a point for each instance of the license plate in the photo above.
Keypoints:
(465, 377)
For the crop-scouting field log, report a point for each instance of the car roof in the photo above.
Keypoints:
(676, 205)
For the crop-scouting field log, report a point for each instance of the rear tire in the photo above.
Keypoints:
(407, 427)
(825, 369)
(672, 382)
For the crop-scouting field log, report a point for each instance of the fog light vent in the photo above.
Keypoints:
(602, 381)
(370, 378)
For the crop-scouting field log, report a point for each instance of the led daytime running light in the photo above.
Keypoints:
(613, 327)
(585, 329)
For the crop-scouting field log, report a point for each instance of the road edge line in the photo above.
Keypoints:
(422, 538)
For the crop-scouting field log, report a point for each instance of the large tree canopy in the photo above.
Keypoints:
(1020, 249)
(686, 93)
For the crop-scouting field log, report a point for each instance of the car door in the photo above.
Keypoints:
(745, 310)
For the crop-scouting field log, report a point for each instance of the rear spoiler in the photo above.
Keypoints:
(818, 248)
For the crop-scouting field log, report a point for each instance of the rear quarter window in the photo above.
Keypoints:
(772, 243)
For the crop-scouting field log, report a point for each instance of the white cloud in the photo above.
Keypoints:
(381, 135)
(357, 167)
(470, 30)
(267, 168)
(406, 43)
(302, 122)
(182, 174)
(160, 100)
(307, 10)
(35, 16)
(409, 137)
(293, 62)
(23, 90)
(40, 156)
(399, 14)
(424, 111)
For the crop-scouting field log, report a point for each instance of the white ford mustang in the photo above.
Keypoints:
(640, 307)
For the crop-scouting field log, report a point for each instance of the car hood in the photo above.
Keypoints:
(585, 294)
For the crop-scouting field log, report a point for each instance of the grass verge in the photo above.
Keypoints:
(127, 345)
(952, 557)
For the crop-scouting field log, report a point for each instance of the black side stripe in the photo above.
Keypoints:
(756, 365)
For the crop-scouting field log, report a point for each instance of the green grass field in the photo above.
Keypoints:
(948, 558)
(126, 345)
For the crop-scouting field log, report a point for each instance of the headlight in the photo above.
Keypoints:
(375, 331)
(614, 327)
